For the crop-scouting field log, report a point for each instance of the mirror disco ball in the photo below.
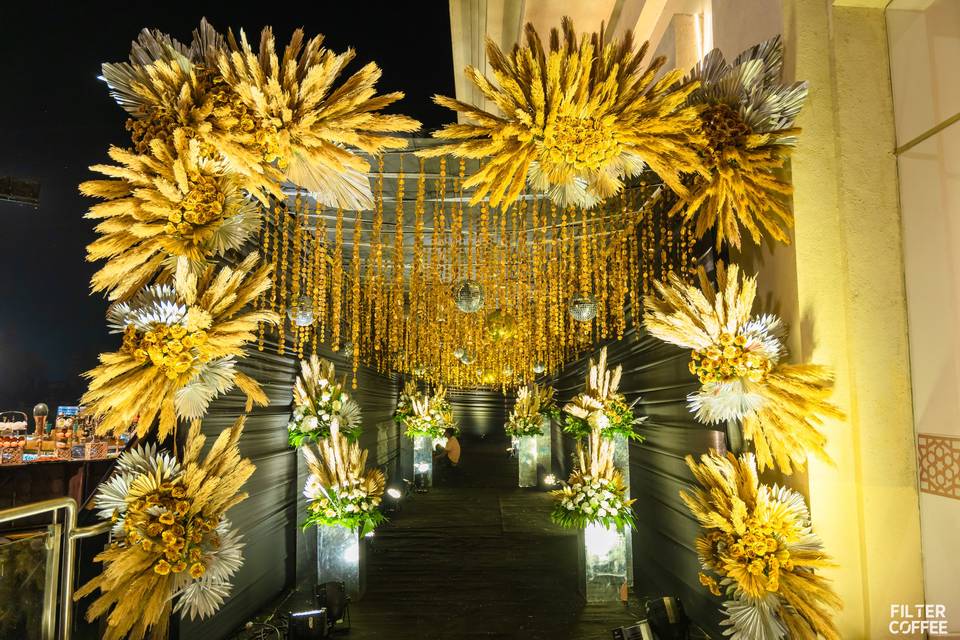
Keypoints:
(583, 308)
(347, 349)
(539, 367)
(468, 357)
(468, 295)
(301, 311)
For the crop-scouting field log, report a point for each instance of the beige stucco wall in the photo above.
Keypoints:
(924, 49)
(840, 287)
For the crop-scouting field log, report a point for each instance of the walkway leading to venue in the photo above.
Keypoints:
(478, 558)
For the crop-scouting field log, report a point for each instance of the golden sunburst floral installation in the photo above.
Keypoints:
(737, 358)
(179, 350)
(600, 406)
(747, 117)
(340, 489)
(534, 404)
(272, 118)
(173, 548)
(158, 206)
(758, 540)
(577, 120)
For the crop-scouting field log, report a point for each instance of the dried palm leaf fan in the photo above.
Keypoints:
(747, 118)
(737, 358)
(575, 120)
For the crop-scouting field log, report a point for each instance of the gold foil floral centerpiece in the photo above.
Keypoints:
(173, 548)
(759, 552)
(575, 120)
(737, 358)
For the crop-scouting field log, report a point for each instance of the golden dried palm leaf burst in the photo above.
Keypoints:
(747, 118)
(737, 359)
(272, 118)
(575, 120)
(171, 202)
(757, 539)
(179, 351)
(175, 545)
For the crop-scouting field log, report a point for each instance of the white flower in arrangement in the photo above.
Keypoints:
(598, 420)
(309, 423)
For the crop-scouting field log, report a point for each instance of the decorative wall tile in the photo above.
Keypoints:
(939, 462)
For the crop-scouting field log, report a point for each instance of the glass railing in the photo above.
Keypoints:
(37, 569)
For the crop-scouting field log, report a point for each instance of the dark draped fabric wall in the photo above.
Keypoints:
(479, 412)
(665, 560)
(276, 550)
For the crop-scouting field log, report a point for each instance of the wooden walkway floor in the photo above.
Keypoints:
(478, 558)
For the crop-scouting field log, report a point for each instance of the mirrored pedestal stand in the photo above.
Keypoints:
(341, 558)
(621, 460)
(533, 455)
(603, 563)
(422, 462)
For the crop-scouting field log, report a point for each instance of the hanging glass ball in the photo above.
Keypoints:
(539, 367)
(468, 295)
(583, 308)
(300, 311)
(500, 325)
(347, 349)
(469, 357)
(459, 352)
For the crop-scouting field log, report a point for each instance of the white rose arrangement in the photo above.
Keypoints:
(321, 403)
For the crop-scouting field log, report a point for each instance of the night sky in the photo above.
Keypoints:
(57, 119)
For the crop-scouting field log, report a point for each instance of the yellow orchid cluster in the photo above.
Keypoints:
(728, 360)
(757, 539)
(171, 348)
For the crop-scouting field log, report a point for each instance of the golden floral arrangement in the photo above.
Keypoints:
(320, 403)
(577, 120)
(600, 406)
(168, 203)
(340, 489)
(534, 404)
(595, 492)
(424, 414)
(737, 358)
(758, 540)
(179, 350)
(173, 548)
(272, 118)
(746, 117)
